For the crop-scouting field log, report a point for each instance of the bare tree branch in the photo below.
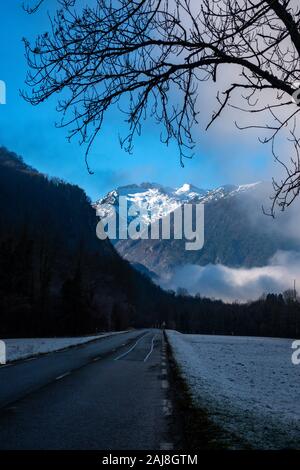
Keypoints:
(149, 58)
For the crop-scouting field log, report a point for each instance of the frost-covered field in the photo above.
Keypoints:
(248, 385)
(17, 349)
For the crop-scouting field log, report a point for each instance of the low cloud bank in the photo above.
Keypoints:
(231, 284)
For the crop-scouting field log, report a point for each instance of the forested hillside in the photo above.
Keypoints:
(56, 277)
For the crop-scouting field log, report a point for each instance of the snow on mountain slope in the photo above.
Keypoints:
(237, 235)
(156, 201)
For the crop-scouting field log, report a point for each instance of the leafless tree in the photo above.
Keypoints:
(149, 57)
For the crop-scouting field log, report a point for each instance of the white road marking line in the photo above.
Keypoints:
(151, 350)
(164, 371)
(164, 384)
(163, 364)
(62, 376)
(131, 349)
(166, 446)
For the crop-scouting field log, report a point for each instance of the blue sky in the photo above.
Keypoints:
(221, 157)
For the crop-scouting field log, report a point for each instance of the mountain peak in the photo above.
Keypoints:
(188, 188)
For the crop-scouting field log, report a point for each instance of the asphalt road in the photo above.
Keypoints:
(107, 395)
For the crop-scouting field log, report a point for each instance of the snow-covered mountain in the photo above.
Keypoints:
(236, 231)
(156, 201)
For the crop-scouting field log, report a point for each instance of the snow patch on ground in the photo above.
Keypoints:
(17, 349)
(248, 385)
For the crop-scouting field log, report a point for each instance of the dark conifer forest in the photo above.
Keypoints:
(57, 278)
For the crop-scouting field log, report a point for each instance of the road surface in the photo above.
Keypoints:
(106, 395)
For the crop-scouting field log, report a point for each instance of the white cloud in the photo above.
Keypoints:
(231, 284)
